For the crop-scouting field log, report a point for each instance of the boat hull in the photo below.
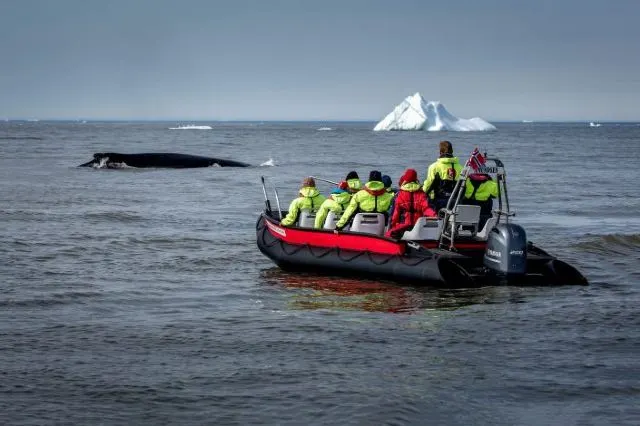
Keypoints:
(371, 256)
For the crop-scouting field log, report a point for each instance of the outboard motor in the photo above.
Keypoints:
(506, 251)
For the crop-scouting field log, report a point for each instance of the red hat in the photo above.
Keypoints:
(343, 185)
(410, 175)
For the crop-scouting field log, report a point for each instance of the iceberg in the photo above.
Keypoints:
(414, 113)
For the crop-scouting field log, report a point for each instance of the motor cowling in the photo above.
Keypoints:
(506, 251)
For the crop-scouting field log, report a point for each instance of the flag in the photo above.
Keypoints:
(476, 160)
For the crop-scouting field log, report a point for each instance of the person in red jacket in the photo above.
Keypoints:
(411, 204)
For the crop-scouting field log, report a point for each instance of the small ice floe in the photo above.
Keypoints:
(191, 127)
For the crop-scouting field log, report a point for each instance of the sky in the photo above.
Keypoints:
(500, 60)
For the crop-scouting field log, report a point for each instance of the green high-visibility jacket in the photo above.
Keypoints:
(485, 190)
(336, 203)
(440, 182)
(372, 199)
(310, 199)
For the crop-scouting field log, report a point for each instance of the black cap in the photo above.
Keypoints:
(352, 175)
(375, 175)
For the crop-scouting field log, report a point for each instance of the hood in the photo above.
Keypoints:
(354, 184)
(375, 188)
(341, 198)
(411, 186)
(309, 191)
(448, 160)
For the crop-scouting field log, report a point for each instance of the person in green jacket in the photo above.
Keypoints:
(372, 199)
(442, 176)
(309, 199)
(353, 180)
(337, 202)
(480, 190)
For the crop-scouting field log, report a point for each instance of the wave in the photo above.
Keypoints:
(191, 127)
(105, 164)
(117, 216)
(621, 244)
(49, 300)
(268, 163)
(325, 129)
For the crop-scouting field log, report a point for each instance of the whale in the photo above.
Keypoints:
(114, 160)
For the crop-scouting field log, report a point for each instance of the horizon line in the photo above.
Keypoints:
(202, 120)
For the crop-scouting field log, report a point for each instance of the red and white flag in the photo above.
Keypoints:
(477, 160)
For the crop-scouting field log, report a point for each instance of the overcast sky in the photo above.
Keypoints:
(318, 60)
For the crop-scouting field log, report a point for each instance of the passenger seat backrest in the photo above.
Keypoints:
(467, 215)
(488, 226)
(424, 229)
(306, 219)
(330, 221)
(368, 223)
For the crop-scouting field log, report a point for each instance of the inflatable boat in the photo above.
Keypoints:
(451, 251)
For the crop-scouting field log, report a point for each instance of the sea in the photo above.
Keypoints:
(139, 296)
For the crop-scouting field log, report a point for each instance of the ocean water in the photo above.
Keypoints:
(140, 297)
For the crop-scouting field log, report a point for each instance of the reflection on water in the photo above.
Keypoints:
(310, 291)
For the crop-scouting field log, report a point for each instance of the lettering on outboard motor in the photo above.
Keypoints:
(494, 253)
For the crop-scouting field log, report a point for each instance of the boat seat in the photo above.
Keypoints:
(488, 226)
(331, 220)
(467, 219)
(426, 228)
(368, 223)
(306, 219)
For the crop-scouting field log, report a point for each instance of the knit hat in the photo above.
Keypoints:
(386, 180)
(446, 148)
(352, 175)
(410, 175)
(308, 181)
(375, 175)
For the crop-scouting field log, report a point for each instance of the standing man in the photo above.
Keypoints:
(441, 177)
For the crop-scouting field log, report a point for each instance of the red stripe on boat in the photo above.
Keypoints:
(327, 239)
(480, 245)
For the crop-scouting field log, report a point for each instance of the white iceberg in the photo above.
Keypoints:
(414, 113)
